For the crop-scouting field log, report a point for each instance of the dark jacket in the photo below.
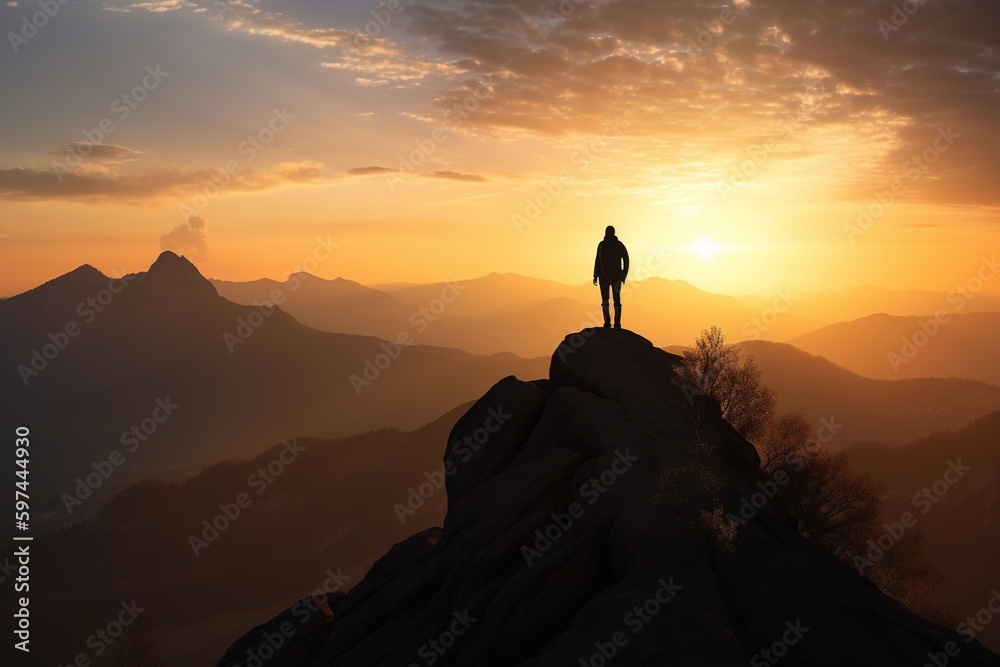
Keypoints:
(611, 262)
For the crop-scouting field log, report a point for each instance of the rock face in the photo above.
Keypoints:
(582, 529)
(173, 284)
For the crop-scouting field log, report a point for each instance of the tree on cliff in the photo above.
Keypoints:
(713, 373)
(832, 507)
(841, 512)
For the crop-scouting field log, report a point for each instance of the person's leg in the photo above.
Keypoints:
(616, 290)
(605, 287)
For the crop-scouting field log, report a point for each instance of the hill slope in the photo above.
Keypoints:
(960, 527)
(139, 545)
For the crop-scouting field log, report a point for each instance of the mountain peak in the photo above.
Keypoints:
(84, 277)
(86, 270)
(173, 280)
(68, 289)
(590, 508)
(169, 260)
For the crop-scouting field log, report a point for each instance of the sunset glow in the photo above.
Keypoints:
(427, 156)
(706, 249)
(494, 332)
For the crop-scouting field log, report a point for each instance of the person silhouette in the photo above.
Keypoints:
(611, 270)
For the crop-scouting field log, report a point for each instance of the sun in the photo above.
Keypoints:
(706, 249)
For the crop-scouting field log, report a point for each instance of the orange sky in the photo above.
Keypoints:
(767, 140)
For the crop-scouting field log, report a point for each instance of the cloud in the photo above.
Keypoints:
(155, 6)
(93, 151)
(441, 174)
(372, 69)
(150, 185)
(363, 51)
(370, 171)
(457, 176)
(190, 237)
(699, 80)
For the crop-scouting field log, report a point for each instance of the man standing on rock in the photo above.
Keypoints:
(611, 270)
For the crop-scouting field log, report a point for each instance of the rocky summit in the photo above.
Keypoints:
(586, 527)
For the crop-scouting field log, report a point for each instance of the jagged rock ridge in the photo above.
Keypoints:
(579, 532)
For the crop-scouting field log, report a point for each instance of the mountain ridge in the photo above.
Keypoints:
(244, 376)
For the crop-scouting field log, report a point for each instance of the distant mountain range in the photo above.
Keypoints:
(88, 358)
(858, 302)
(522, 315)
(244, 374)
(846, 408)
(891, 347)
(508, 312)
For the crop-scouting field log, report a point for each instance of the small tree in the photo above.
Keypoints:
(832, 507)
(904, 575)
(712, 372)
(786, 440)
(841, 511)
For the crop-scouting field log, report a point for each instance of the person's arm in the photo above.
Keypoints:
(597, 263)
(625, 261)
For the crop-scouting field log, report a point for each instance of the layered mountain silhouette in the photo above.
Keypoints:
(339, 305)
(496, 310)
(959, 344)
(848, 408)
(89, 358)
(858, 302)
(583, 528)
(508, 312)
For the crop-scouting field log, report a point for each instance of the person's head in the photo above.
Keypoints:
(610, 231)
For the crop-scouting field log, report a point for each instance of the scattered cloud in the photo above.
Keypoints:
(699, 82)
(441, 174)
(373, 59)
(94, 151)
(695, 88)
(190, 237)
(370, 171)
(155, 6)
(149, 185)
(457, 176)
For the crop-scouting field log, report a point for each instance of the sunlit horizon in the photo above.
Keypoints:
(816, 152)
